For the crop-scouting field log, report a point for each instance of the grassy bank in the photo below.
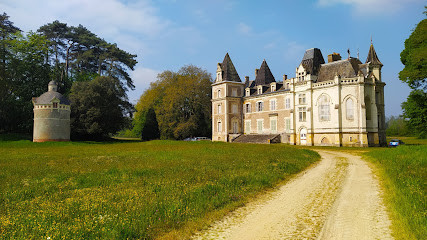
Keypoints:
(132, 190)
(404, 173)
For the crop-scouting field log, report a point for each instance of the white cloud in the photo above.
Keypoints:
(142, 77)
(113, 20)
(244, 29)
(366, 7)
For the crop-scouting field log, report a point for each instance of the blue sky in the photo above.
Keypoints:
(168, 34)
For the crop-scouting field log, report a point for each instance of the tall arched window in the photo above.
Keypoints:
(324, 113)
(368, 108)
(349, 106)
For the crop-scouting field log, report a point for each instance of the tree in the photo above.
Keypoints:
(397, 126)
(150, 127)
(414, 57)
(98, 108)
(181, 101)
(415, 109)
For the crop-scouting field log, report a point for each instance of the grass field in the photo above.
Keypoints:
(119, 190)
(403, 171)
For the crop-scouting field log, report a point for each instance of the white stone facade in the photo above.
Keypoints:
(315, 107)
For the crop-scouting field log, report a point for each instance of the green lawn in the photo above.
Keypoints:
(403, 171)
(119, 190)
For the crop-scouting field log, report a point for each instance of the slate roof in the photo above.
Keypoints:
(312, 60)
(47, 97)
(372, 56)
(264, 75)
(229, 72)
(346, 68)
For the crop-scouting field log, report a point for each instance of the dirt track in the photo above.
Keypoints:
(337, 199)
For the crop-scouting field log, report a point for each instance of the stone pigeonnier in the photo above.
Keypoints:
(51, 116)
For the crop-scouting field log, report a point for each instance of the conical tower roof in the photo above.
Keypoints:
(372, 56)
(229, 71)
(264, 75)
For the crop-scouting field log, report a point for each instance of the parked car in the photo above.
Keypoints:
(201, 139)
(395, 143)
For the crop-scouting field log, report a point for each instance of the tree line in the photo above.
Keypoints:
(94, 75)
(83, 65)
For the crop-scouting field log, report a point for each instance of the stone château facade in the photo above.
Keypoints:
(51, 116)
(338, 103)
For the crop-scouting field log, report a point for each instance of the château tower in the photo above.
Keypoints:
(227, 93)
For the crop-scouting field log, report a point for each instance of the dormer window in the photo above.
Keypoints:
(273, 88)
(259, 90)
(55, 105)
(248, 92)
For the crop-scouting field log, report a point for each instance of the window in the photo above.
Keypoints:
(301, 98)
(234, 92)
(219, 126)
(234, 108)
(259, 90)
(302, 113)
(273, 125)
(247, 126)
(219, 93)
(219, 109)
(273, 88)
(247, 107)
(349, 107)
(273, 104)
(55, 105)
(259, 106)
(324, 113)
(287, 85)
(260, 124)
(287, 124)
(248, 92)
(287, 103)
(368, 108)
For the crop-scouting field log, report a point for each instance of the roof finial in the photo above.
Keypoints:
(357, 53)
(348, 51)
(371, 39)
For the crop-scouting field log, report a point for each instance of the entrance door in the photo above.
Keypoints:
(303, 136)
(235, 127)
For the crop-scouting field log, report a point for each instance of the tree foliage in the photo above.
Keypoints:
(397, 126)
(59, 52)
(181, 101)
(150, 126)
(98, 108)
(414, 57)
(415, 109)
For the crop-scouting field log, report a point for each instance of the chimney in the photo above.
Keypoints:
(285, 77)
(246, 78)
(256, 72)
(334, 57)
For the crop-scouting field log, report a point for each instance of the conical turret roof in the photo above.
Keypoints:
(372, 56)
(229, 71)
(264, 75)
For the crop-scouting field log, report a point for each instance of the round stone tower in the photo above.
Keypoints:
(51, 116)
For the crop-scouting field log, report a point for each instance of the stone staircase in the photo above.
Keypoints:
(258, 138)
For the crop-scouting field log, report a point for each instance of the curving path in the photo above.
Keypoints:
(339, 198)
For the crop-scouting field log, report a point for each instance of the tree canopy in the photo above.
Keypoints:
(414, 57)
(67, 54)
(181, 101)
(98, 108)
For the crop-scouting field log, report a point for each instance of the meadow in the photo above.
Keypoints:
(133, 190)
(403, 171)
